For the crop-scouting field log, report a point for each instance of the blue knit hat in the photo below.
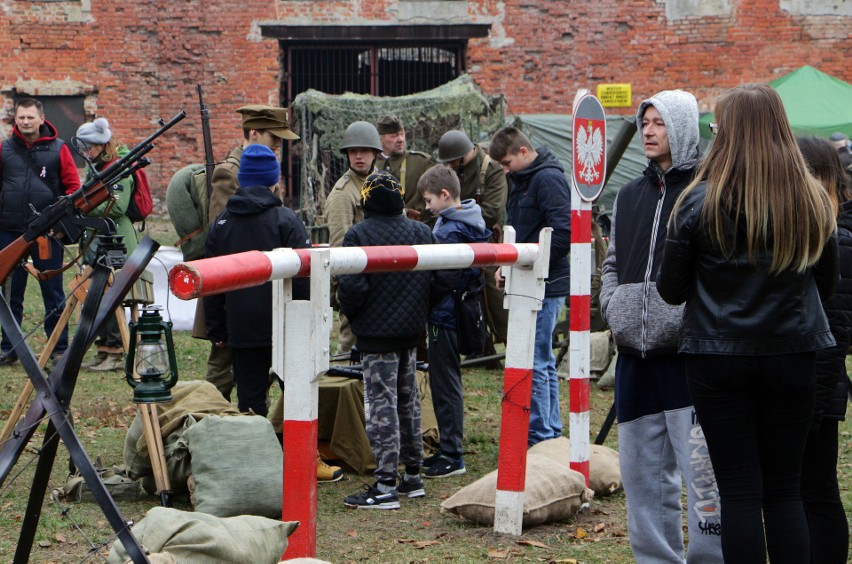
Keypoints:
(258, 167)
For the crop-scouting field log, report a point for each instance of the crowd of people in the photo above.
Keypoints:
(727, 285)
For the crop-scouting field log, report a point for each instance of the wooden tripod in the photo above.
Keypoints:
(147, 411)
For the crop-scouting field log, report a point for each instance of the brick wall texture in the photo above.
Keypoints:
(138, 61)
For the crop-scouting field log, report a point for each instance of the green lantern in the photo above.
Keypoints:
(154, 361)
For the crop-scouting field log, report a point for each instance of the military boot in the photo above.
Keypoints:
(112, 362)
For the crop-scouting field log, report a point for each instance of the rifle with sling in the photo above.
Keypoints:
(65, 217)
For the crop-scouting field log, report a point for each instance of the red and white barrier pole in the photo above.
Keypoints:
(524, 295)
(210, 276)
(579, 327)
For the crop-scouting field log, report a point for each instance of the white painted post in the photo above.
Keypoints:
(524, 295)
(305, 356)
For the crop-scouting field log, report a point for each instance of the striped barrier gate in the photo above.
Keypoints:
(305, 326)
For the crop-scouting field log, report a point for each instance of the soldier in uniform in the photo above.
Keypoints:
(407, 166)
(362, 146)
(263, 125)
(483, 180)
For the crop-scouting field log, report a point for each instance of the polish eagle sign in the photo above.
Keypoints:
(588, 148)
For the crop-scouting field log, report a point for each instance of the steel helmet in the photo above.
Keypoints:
(361, 134)
(453, 145)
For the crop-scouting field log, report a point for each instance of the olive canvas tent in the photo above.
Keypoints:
(816, 103)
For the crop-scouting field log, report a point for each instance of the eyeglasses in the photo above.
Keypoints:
(714, 129)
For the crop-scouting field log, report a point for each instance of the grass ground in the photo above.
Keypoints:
(418, 532)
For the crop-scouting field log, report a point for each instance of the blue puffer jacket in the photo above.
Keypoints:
(459, 225)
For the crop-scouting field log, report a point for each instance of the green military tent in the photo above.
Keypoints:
(816, 103)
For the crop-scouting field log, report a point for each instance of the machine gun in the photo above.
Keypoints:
(65, 217)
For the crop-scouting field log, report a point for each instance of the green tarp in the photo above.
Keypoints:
(816, 103)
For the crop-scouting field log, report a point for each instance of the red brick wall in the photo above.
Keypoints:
(138, 61)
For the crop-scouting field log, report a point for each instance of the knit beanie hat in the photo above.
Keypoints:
(382, 194)
(95, 133)
(258, 167)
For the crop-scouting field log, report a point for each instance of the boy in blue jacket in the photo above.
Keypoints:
(458, 222)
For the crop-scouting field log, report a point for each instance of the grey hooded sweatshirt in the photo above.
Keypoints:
(642, 323)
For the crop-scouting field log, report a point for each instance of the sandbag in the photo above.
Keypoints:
(237, 466)
(196, 398)
(604, 467)
(198, 538)
(551, 494)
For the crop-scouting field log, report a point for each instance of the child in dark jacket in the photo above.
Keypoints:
(387, 312)
(253, 220)
(458, 222)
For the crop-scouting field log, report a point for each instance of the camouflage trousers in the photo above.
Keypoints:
(392, 411)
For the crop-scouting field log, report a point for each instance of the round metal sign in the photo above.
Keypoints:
(588, 148)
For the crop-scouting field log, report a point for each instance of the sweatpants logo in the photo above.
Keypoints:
(707, 508)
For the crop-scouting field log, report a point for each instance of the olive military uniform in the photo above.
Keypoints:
(408, 168)
(342, 211)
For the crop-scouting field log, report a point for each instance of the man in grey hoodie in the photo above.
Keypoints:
(660, 441)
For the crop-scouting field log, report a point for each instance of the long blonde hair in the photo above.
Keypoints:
(756, 173)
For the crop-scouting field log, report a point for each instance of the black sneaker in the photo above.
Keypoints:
(430, 460)
(444, 467)
(372, 498)
(412, 487)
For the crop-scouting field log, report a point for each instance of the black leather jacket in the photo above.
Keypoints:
(736, 308)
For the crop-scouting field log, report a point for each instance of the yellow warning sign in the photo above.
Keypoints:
(615, 95)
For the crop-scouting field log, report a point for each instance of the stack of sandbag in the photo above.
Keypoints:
(552, 493)
(192, 401)
(604, 469)
(170, 535)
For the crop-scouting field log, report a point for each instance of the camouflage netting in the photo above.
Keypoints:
(320, 119)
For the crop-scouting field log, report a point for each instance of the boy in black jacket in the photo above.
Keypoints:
(253, 220)
(388, 314)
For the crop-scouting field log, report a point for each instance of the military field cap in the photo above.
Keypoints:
(273, 120)
(388, 124)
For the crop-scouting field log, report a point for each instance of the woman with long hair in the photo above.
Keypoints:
(751, 250)
(827, 522)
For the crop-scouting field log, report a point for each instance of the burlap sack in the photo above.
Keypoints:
(551, 494)
(604, 469)
(197, 398)
(237, 466)
(197, 538)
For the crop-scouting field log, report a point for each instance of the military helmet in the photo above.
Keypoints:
(453, 145)
(361, 134)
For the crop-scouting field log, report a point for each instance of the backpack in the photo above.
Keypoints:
(141, 203)
(187, 204)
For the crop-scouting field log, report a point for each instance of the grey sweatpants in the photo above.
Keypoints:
(658, 452)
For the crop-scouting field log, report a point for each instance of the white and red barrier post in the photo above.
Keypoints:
(579, 325)
(588, 175)
(303, 328)
(524, 295)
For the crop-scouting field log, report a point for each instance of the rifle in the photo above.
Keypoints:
(209, 164)
(65, 215)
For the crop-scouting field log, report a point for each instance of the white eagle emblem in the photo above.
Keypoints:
(589, 152)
